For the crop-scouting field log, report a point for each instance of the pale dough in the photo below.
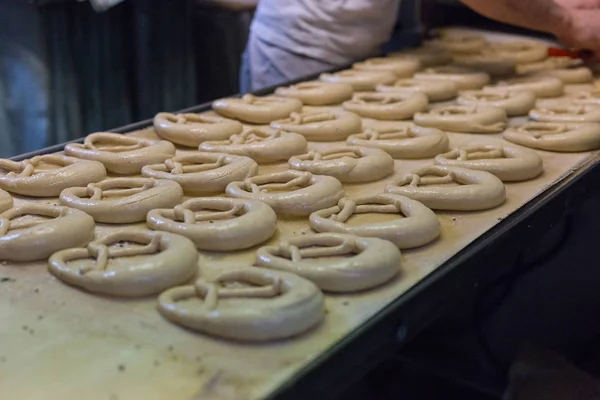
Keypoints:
(6, 201)
(32, 240)
(390, 106)
(569, 75)
(369, 262)
(321, 126)
(360, 80)
(542, 86)
(123, 200)
(435, 90)
(201, 173)
(347, 164)
(121, 154)
(518, 51)
(217, 223)
(459, 42)
(406, 142)
(415, 226)
(252, 304)
(567, 113)
(547, 64)
(260, 144)
(192, 129)
(401, 67)
(257, 110)
(464, 78)
(317, 93)
(490, 64)
(555, 136)
(468, 119)
(290, 193)
(476, 190)
(506, 162)
(427, 56)
(48, 175)
(514, 103)
(157, 262)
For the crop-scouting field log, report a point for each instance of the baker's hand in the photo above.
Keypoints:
(581, 24)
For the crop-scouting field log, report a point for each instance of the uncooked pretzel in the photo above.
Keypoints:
(262, 145)
(321, 126)
(121, 154)
(459, 42)
(506, 162)
(123, 200)
(36, 176)
(468, 119)
(542, 86)
(520, 51)
(554, 136)
(226, 225)
(464, 78)
(257, 110)
(31, 240)
(162, 261)
(490, 64)
(477, 190)
(547, 64)
(428, 56)
(347, 164)
(290, 193)
(402, 68)
(567, 113)
(569, 75)
(388, 106)
(201, 173)
(407, 142)
(6, 201)
(434, 90)
(420, 226)
(252, 304)
(192, 129)
(317, 93)
(514, 103)
(360, 80)
(369, 262)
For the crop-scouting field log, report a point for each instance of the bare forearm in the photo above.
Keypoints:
(541, 15)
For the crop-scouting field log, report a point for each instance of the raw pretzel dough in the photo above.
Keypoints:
(200, 173)
(123, 200)
(317, 93)
(477, 190)
(192, 129)
(360, 80)
(569, 75)
(554, 136)
(420, 226)
(252, 304)
(321, 126)
(121, 154)
(506, 162)
(464, 78)
(226, 225)
(514, 103)
(290, 193)
(542, 86)
(468, 119)
(31, 240)
(387, 106)
(6, 201)
(427, 56)
(103, 266)
(406, 142)
(257, 110)
(490, 64)
(519, 51)
(347, 164)
(434, 90)
(262, 145)
(547, 64)
(567, 113)
(459, 42)
(35, 178)
(401, 67)
(369, 262)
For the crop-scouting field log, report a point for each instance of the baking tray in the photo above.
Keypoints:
(59, 342)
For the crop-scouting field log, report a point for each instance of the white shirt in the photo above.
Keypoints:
(336, 31)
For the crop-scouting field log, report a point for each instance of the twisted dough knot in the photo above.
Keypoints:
(296, 254)
(211, 292)
(538, 131)
(96, 191)
(572, 109)
(23, 169)
(175, 167)
(377, 98)
(333, 154)
(189, 216)
(302, 180)
(347, 208)
(415, 180)
(299, 119)
(254, 135)
(114, 142)
(454, 110)
(480, 153)
(7, 224)
(102, 253)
